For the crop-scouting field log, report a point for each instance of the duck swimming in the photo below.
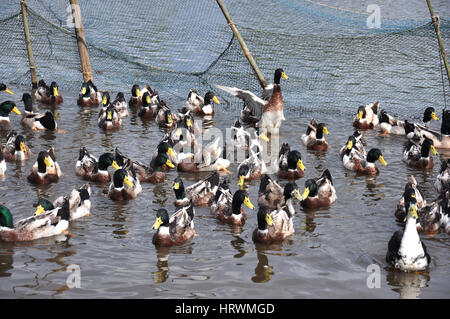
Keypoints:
(201, 106)
(314, 138)
(273, 226)
(124, 186)
(48, 95)
(175, 230)
(228, 209)
(15, 148)
(92, 169)
(366, 166)
(367, 117)
(418, 156)
(295, 168)
(109, 120)
(201, 193)
(6, 108)
(46, 170)
(37, 121)
(89, 95)
(3, 87)
(320, 192)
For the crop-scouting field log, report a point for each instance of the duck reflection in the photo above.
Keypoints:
(408, 285)
(6, 262)
(263, 272)
(238, 244)
(162, 264)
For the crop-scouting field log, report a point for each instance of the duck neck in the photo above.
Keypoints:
(180, 193)
(410, 244)
(236, 207)
(290, 206)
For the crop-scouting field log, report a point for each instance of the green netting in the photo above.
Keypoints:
(334, 61)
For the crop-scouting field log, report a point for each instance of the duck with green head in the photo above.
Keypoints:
(109, 119)
(231, 211)
(295, 168)
(51, 223)
(201, 193)
(46, 170)
(354, 161)
(320, 192)
(5, 109)
(37, 121)
(93, 169)
(123, 186)
(419, 156)
(48, 95)
(3, 87)
(89, 96)
(15, 148)
(272, 195)
(273, 226)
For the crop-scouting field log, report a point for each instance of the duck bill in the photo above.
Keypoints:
(55, 92)
(39, 210)
(83, 91)
(176, 186)
(297, 194)
(241, 182)
(434, 117)
(47, 162)
(360, 115)
(22, 147)
(305, 193)
(224, 169)
(413, 211)
(216, 100)
(349, 145)
(104, 101)
(433, 150)
(115, 165)
(170, 152)
(325, 131)
(16, 110)
(382, 161)
(169, 163)
(9, 91)
(284, 76)
(264, 137)
(149, 100)
(157, 223)
(269, 220)
(109, 116)
(248, 203)
(127, 181)
(138, 93)
(300, 165)
(188, 123)
(169, 119)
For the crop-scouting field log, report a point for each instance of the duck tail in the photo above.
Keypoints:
(85, 192)
(326, 174)
(64, 211)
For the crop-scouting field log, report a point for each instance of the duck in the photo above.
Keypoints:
(46, 170)
(432, 215)
(201, 193)
(105, 102)
(418, 156)
(314, 138)
(2, 163)
(121, 106)
(3, 87)
(15, 148)
(367, 117)
(89, 95)
(6, 108)
(175, 230)
(165, 146)
(428, 115)
(354, 144)
(319, 193)
(295, 168)
(109, 119)
(272, 195)
(273, 226)
(48, 95)
(440, 139)
(267, 113)
(136, 95)
(406, 252)
(54, 222)
(250, 169)
(202, 106)
(411, 190)
(353, 161)
(148, 110)
(443, 178)
(124, 186)
(282, 160)
(92, 169)
(165, 118)
(228, 209)
(37, 121)
(78, 199)
(390, 125)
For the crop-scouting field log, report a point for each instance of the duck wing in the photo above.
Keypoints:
(253, 103)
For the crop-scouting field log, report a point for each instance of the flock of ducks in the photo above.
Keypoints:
(178, 150)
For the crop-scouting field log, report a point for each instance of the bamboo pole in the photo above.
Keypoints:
(441, 43)
(81, 41)
(244, 47)
(23, 4)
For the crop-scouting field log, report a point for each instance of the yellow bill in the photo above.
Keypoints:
(127, 181)
(248, 203)
(115, 165)
(176, 185)
(382, 161)
(39, 210)
(105, 100)
(169, 163)
(216, 100)
(188, 123)
(157, 223)
(264, 137)
(284, 76)
(241, 182)
(433, 150)
(16, 110)
(360, 115)
(170, 152)
(22, 147)
(138, 93)
(55, 92)
(269, 219)
(325, 130)
(349, 145)
(300, 165)
(83, 90)
(305, 193)
(297, 194)
(413, 211)
(47, 162)
(109, 116)
(148, 99)
(434, 117)
(224, 169)
(9, 91)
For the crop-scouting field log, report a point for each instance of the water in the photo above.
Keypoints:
(327, 258)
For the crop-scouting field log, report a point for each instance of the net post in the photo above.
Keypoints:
(441, 43)
(244, 47)
(81, 41)
(23, 4)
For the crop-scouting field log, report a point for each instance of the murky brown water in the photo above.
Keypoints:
(327, 257)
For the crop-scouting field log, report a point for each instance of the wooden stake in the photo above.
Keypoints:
(28, 43)
(438, 33)
(241, 41)
(81, 40)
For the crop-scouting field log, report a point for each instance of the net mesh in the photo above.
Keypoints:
(334, 61)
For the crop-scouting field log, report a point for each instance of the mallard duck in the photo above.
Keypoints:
(37, 121)
(354, 161)
(354, 144)
(15, 148)
(406, 251)
(228, 209)
(201, 193)
(79, 200)
(282, 160)
(295, 168)
(320, 192)
(418, 156)
(269, 113)
(48, 95)
(89, 95)
(148, 110)
(390, 125)
(46, 170)
(428, 115)
(443, 179)
(121, 106)
(367, 117)
(136, 95)
(109, 119)
(6, 108)
(93, 169)
(3, 87)
(411, 190)
(314, 138)
(440, 139)
(202, 106)
(2, 163)
(250, 169)
(165, 118)
(175, 230)
(124, 186)
(54, 222)
(273, 226)
(272, 195)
